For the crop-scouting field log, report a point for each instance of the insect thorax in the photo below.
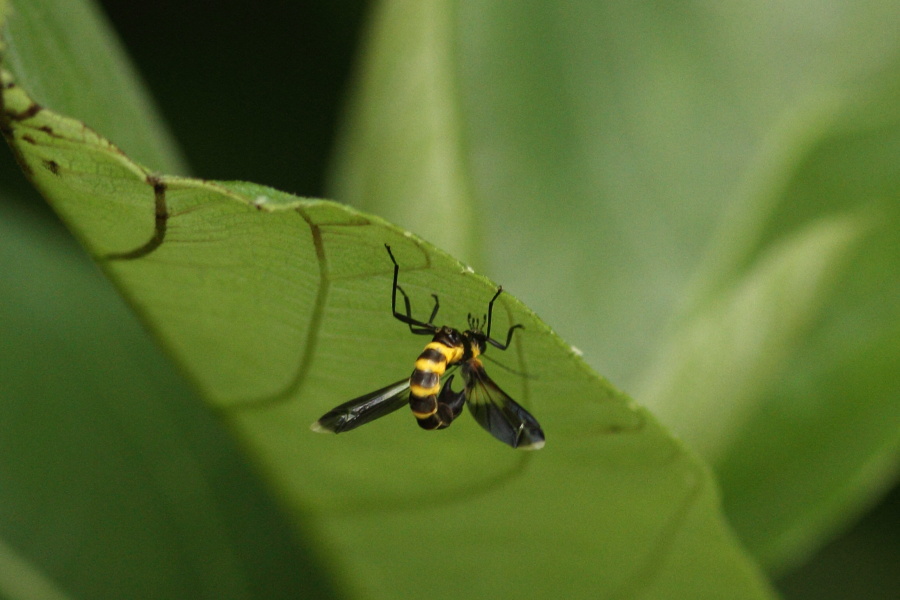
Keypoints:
(458, 345)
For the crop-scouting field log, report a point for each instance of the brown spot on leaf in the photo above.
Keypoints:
(29, 112)
(52, 166)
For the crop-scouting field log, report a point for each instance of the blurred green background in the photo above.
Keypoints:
(220, 85)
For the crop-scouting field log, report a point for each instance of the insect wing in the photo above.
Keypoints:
(364, 409)
(499, 414)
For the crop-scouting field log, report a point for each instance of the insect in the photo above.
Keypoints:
(435, 406)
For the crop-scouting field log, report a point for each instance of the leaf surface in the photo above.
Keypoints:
(277, 308)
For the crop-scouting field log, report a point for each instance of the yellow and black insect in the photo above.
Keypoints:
(434, 406)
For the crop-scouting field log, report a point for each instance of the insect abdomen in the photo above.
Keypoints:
(425, 383)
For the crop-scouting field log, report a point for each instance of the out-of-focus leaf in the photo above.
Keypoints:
(69, 59)
(817, 350)
(701, 197)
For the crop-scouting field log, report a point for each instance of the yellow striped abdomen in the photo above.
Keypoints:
(425, 382)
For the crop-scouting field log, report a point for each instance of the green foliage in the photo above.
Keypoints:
(276, 307)
(116, 483)
(704, 199)
(583, 156)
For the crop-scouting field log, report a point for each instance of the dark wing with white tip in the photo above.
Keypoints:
(499, 414)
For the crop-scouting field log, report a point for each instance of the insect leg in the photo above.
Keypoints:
(415, 326)
(509, 335)
(490, 313)
(452, 400)
(487, 333)
(437, 305)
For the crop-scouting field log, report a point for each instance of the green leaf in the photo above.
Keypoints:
(277, 308)
(701, 198)
(826, 411)
(67, 56)
(20, 579)
(806, 278)
(115, 481)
